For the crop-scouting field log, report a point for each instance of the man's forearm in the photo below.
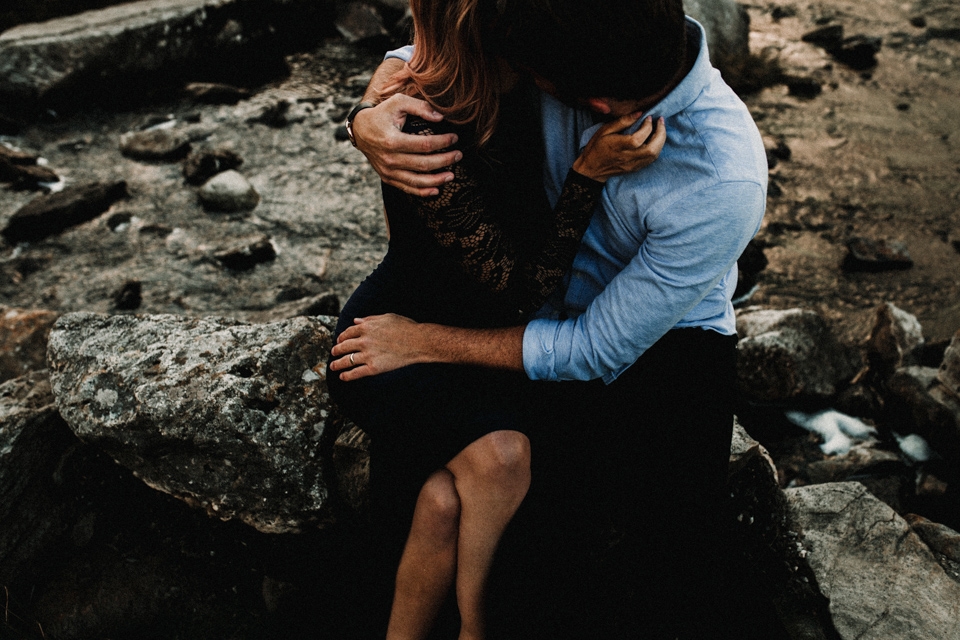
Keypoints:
(494, 348)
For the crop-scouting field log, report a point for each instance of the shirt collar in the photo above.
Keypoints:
(684, 93)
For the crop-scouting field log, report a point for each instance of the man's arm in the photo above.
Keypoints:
(402, 160)
(383, 343)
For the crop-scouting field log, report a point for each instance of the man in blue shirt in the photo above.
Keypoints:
(646, 323)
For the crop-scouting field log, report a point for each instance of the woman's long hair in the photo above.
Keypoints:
(450, 68)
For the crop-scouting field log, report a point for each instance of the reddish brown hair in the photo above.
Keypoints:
(449, 67)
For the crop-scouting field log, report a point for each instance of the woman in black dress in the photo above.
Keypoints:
(450, 459)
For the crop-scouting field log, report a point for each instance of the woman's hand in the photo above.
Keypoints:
(375, 345)
(404, 160)
(611, 153)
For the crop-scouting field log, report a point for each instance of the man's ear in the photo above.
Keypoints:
(600, 105)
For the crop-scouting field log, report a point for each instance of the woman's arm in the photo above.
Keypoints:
(524, 271)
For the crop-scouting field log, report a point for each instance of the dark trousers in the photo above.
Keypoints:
(625, 521)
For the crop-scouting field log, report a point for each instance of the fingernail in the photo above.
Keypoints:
(458, 157)
(455, 138)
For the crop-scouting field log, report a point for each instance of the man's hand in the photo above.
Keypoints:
(404, 160)
(375, 345)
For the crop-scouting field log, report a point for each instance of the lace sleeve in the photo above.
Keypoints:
(522, 269)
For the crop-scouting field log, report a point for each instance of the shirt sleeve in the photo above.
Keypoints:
(403, 53)
(695, 243)
(522, 270)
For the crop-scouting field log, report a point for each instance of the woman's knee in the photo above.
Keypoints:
(501, 456)
(439, 503)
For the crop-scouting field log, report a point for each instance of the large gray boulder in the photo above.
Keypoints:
(49, 60)
(790, 355)
(881, 579)
(227, 416)
(728, 34)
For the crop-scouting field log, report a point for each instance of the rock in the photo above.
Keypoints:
(803, 86)
(215, 93)
(859, 459)
(156, 144)
(274, 115)
(896, 340)
(128, 296)
(351, 458)
(33, 443)
(790, 355)
(939, 538)
(949, 373)
(727, 25)
(203, 165)
(324, 304)
(357, 21)
(228, 191)
(918, 402)
(246, 253)
(749, 265)
(28, 175)
(880, 578)
(51, 214)
(866, 254)
(828, 37)
(23, 340)
(229, 417)
(858, 52)
(117, 45)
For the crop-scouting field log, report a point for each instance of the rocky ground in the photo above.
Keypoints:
(857, 150)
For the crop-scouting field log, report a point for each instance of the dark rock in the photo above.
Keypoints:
(917, 402)
(727, 25)
(34, 441)
(216, 93)
(949, 372)
(357, 21)
(228, 191)
(859, 400)
(895, 340)
(29, 175)
(128, 296)
(790, 355)
(749, 265)
(200, 166)
(880, 578)
(946, 33)
(51, 214)
(23, 340)
(918, 21)
(274, 115)
(858, 52)
(779, 13)
(351, 458)
(13, 156)
(246, 253)
(803, 87)
(158, 144)
(340, 133)
(324, 304)
(230, 417)
(828, 37)
(866, 254)
(117, 220)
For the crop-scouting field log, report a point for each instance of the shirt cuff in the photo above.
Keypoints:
(539, 337)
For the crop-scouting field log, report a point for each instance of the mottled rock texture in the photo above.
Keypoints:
(230, 417)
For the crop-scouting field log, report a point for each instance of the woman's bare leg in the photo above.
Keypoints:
(492, 476)
(429, 559)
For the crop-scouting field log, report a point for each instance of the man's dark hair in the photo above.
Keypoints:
(624, 49)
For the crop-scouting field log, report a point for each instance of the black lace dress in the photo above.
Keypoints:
(486, 252)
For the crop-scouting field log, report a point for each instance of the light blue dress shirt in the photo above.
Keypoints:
(661, 250)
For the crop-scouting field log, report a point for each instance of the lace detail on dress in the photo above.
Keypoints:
(523, 268)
